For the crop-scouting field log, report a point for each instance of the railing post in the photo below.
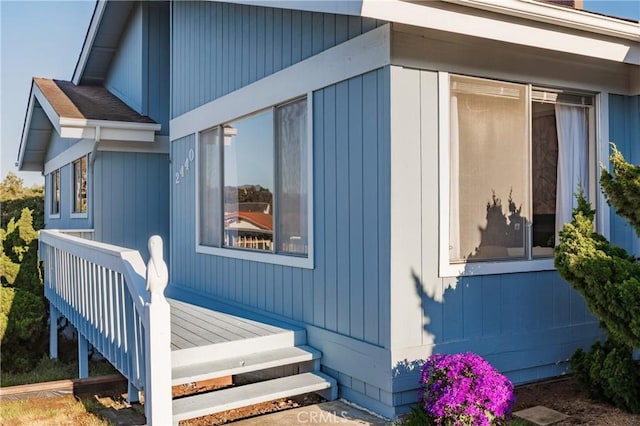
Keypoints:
(53, 331)
(158, 405)
(83, 356)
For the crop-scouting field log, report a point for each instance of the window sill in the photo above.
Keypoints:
(276, 259)
(494, 268)
(79, 215)
(54, 216)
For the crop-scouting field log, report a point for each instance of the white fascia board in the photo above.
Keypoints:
(341, 7)
(558, 15)
(516, 32)
(109, 130)
(25, 129)
(101, 5)
(354, 57)
(46, 107)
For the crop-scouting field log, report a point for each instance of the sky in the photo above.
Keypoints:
(44, 39)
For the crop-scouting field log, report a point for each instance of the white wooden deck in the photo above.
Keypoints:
(194, 326)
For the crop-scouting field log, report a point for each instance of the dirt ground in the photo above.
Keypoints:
(563, 395)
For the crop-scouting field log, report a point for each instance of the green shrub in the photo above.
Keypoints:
(609, 373)
(23, 328)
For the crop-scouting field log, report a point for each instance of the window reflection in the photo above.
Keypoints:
(248, 182)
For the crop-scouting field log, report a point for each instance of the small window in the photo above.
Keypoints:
(80, 185)
(517, 155)
(253, 182)
(55, 192)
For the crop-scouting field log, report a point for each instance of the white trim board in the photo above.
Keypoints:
(85, 146)
(357, 56)
(69, 155)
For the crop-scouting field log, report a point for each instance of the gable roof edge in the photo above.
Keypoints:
(96, 18)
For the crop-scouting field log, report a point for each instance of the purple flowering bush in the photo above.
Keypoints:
(464, 389)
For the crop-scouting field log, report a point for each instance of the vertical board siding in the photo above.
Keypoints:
(344, 292)
(218, 48)
(624, 131)
(526, 324)
(131, 199)
(124, 78)
(157, 99)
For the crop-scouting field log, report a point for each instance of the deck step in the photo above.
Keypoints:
(255, 393)
(243, 364)
(239, 348)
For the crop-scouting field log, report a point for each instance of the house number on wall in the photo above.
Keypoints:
(184, 167)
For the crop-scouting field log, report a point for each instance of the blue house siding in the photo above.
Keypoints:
(347, 291)
(526, 324)
(218, 48)
(624, 130)
(139, 71)
(125, 74)
(131, 200)
(156, 101)
(344, 300)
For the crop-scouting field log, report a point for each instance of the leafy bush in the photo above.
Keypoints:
(609, 373)
(606, 275)
(464, 389)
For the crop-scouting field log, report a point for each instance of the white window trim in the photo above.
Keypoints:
(448, 269)
(256, 256)
(53, 193)
(78, 215)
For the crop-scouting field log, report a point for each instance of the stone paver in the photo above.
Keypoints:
(541, 416)
(326, 413)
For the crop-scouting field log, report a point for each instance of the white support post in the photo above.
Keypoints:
(53, 331)
(158, 405)
(83, 357)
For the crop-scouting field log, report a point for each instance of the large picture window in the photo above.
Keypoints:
(517, 155)
(55, 193)
(80, 185)
(253, 182)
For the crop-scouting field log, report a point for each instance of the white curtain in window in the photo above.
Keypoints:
(573, 166)
(210, 196)
(292, 183)
(454, 197)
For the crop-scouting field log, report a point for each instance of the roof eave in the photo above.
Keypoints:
(558, 15)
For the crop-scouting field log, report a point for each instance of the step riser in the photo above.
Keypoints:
(238, 348)
(228, 399)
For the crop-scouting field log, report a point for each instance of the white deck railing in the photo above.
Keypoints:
(102, 290)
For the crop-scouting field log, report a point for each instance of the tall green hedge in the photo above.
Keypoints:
(609, 279)
(23, 311)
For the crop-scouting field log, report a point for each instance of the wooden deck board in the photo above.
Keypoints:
(210, 324)
(222, 319)
(194, 326)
